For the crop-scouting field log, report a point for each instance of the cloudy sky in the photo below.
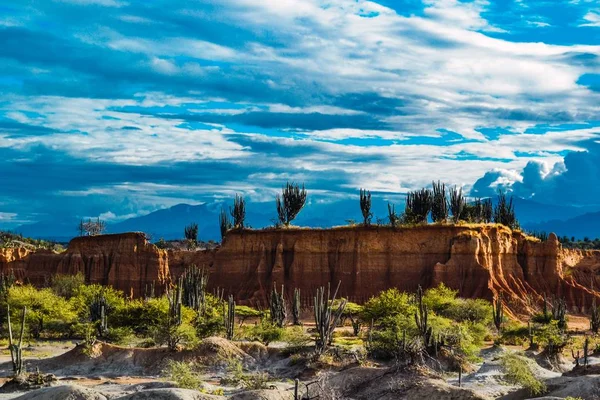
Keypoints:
(120, 107)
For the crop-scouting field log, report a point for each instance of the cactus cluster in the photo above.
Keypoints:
(326, 316)
(229, 317)
(278, 307)
(193, 285)
(422, 318)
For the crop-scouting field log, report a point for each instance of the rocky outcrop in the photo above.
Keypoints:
(478, 261)
(125, 261)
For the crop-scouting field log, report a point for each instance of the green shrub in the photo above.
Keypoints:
(440, 299)
(245, 312)
(514, 335)
(295, 338)
(387, 305)
(84, 295)
(472, 310)
(47, 313)
(120, 335)
(518, 370)
(182, 375)
(265, 332)
(256, 381)
(66, 285)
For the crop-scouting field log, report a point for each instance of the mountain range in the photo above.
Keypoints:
(169, 223)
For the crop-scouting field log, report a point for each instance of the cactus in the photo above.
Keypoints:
(439, 204)
(278, 308)
(326, 318)
(559, 311)
(421, 318)
(229, 317)
(392, 216)
(457, 203)
(296, 307)
(365, 206)
(595, 317)
(238, 212)
(498, 312)
(193, 282)
(6, 281)
(150, 294)
(586, 345)
(290, 203)
(225, 223)
(531, 336)
(98, 310)
(16, 350)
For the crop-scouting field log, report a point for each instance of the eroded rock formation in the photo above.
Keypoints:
(478, 261)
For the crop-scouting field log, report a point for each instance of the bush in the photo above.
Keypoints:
(295, 339)
(266, 332)
(245, 312)
(45, 310)
(518, 371)
(471, 310)
(514, 335)
(84, 295)
(387, 305)
(182, 375)
(120, 335)
(256, 381)
(67, 285)
(440, 299)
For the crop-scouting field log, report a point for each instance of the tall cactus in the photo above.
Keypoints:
(194, 281)
(175, 304)
(150, 293)
(326, 317)
(16, 350)
(498, 312)
(422, 318)
(296, 307)
(229, 317)
(365, 206)
(559, 311)
(595, 317)
(278, 308)
(98, 314)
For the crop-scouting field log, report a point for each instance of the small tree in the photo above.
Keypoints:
(457, 203)
(290, 203)
(439, 205)
(238, 212)
(224, 223)
(191, 233)
(365, 206)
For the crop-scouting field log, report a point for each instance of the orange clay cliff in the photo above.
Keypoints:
(479, 261)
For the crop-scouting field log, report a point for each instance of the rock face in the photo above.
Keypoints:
(125, 261)
(478, 261)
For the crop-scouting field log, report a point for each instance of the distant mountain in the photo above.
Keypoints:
(169, 223)
(586, 225)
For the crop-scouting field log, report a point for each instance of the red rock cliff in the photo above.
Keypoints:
(477, 261)
(125, 261)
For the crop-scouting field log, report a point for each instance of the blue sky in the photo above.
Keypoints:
(117, 108)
